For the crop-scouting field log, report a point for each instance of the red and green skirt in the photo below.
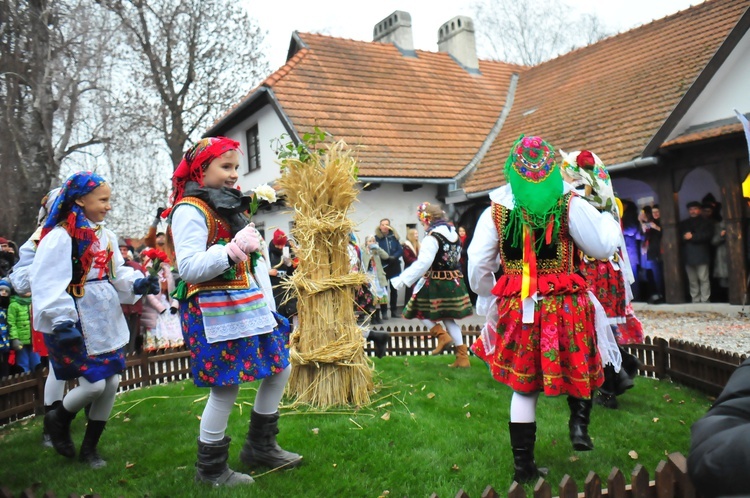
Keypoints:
(556, 354)
(438, 300)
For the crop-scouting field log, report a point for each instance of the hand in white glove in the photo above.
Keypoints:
(247, 239)
(235, 253)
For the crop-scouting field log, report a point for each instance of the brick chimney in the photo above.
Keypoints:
(396, 29)
(456, 37)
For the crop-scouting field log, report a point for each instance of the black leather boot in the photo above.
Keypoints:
(580, 411)
(375, 318)
(88, 453)
(522, 441)
(607, 395)
(57, 425)
(380, 339)
(211, 467)
(46, 440)
(261, 448)
(384, 312)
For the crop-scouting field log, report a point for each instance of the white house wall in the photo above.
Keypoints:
(270, 128)
(727, 90)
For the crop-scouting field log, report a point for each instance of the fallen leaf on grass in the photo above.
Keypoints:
(633, 454)
(573, 458)
(384, 405)
(386, 416)
(198, 417)
(655, 419)
(455, 468)
(468, 414)
(335, 465)
(682, 422)
(126, 419)
(129, 465)
(467, 404)
(430, 395)
(182, 467)
(315, 430)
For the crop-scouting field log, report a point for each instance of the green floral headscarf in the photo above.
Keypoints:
(535, 179)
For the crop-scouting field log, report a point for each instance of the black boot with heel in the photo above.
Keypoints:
(580, 413)
(522, 441)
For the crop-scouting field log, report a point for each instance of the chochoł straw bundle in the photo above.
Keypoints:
(327, 349)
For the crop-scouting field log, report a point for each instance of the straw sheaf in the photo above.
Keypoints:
(326, 349)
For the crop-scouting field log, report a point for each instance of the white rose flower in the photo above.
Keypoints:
(265, 192)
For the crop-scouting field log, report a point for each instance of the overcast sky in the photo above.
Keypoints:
(355, 19)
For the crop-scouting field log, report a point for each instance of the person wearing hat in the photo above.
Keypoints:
(8, 256)
(282, 267)
(696, 233)
(5, 290)
(545, 332)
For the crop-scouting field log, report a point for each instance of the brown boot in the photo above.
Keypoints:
(443, 338)
(462, 357)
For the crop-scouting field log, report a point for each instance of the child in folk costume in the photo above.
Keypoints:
(227, 321)
(54, 388)
(78, 280)
(609, 279)
(159, 315)
(541, 321)
(440, 293)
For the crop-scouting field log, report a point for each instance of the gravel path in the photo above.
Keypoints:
(730, 332)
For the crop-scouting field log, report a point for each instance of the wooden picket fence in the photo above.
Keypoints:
(704, 368)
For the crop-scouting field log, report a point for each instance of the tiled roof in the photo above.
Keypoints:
(415, 117)
(612, 97)
(697, 136)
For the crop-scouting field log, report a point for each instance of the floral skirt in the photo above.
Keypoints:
(363, 299)
(73, 362)
(630, 332)
(232, 362)
(556, 354)
(438, 300)
(608, 285)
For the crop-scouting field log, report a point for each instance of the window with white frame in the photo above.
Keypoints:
(253, 149)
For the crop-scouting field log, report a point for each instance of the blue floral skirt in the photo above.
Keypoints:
(73, 362)
(232, 362)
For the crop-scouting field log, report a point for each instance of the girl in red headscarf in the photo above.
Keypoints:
(227, 321)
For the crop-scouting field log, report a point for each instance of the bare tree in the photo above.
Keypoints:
(52, 55)
(530, 33)
(187, 62)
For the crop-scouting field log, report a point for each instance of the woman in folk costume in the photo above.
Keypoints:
(78, 282)
(540, 330)
(54, 388)
(609, 279)
(227, 321)
(440, 293)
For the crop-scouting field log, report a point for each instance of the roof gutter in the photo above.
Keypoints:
(637, 163)
(395, 179)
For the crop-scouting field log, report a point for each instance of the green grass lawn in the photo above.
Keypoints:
(429, 429)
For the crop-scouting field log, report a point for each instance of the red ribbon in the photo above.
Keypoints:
(101, 260)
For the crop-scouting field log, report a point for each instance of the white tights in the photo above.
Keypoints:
(451, 326)
(523, 407)
(221, 400)
(54, 389)
(101, 395)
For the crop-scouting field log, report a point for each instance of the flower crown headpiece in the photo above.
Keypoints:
(422, 212)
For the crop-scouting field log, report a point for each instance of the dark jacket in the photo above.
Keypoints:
(653, 238)
(390, 244)
(696, 251)
(719, 456)
(287, 308)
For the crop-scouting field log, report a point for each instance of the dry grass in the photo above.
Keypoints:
(327, 349)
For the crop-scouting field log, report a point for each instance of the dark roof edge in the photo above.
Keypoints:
(261, 97)
(405, 180)
(700, 83)
(295, 45)
(494, 132)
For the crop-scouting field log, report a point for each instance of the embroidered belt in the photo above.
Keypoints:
(444, 275)
(615, 258)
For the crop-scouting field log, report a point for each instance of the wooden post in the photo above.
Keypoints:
(39, 400)
(728, 177)
(145, 369)
(670, 241)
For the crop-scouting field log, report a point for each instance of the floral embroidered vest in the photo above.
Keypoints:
(219, 232)
(103, 260)
(448, 257)
(557, 263)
